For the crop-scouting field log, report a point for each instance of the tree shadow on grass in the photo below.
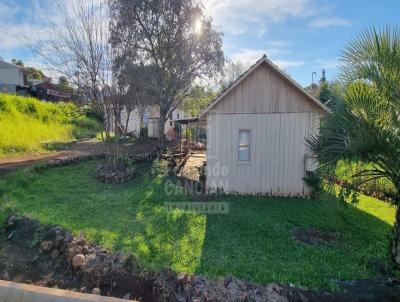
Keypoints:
(255, 241)
(130, 217)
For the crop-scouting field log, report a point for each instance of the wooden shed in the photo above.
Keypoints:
(256, 132)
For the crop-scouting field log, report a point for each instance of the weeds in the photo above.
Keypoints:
(27, 124)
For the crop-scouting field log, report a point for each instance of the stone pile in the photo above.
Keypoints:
(90, 269)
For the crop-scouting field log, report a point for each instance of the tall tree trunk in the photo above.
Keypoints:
(161, 127)
(128, 115)
(396, 239)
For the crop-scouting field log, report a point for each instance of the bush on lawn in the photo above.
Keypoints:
(381, 186)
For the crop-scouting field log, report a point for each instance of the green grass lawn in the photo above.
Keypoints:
(254, 241)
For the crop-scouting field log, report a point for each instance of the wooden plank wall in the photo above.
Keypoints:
(277, 150)
(265, 91)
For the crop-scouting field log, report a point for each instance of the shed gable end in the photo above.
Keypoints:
(265, 91)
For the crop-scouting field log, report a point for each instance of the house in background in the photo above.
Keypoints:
(256, 134)
(44, 90)
(13, 78)
(149, 119)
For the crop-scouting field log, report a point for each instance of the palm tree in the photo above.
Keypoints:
(365, 126)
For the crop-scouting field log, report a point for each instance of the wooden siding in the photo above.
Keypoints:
(277, 150)
(265, 91)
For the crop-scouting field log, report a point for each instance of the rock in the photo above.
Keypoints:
(193, 279)
(58, 241)
(273, 287)
(244, 297)
(126, 260)
(12, 220)
(234, 291)
(241, 284)
(127, 296)
(74, 250)
(303, 298)
(273, 292)
(397, 259)
(91, 260)
(78, 261)
(55, 253)
(183, 278)
(57, 230)
(68, 237)
(83, 290)
(232, 286)
(85, 249)
(228, 280)
(46, 246)
(10, 235)
(79, 241)
(96, 291)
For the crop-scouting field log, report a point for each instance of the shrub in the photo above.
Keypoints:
(315, 181)
(345, 170)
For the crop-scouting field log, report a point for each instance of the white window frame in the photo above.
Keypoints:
(244, 145)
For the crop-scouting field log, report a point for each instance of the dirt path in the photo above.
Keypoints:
(76, 149)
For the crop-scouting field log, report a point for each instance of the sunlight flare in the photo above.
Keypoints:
(198, 26)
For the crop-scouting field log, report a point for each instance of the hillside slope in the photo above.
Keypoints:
(27, 124)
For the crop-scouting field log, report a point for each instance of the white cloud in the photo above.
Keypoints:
(250, 56)
(283, 64)
(247, 56)
(253, 16)
(329, 22)
(24, 25)
(14, 36)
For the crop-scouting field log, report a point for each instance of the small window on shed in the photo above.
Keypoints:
(244, 145)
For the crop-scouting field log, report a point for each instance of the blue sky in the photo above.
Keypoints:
(300, 36)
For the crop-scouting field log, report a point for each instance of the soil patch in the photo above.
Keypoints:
(84, 148)
(313, 236)
(51, 256)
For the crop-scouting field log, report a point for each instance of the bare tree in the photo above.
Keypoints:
(231, 72)
(78, 48)
(174, 38)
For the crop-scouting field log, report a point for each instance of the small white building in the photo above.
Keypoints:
(149, 118)
(256, 131)
(13, 78)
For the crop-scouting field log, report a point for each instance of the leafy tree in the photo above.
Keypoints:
(63, 85)
(323, 91)
(329, 93)
(33, 73)
(366, 125)
(175, 38)
(17, 62)
(135, 80)
(197, 100)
